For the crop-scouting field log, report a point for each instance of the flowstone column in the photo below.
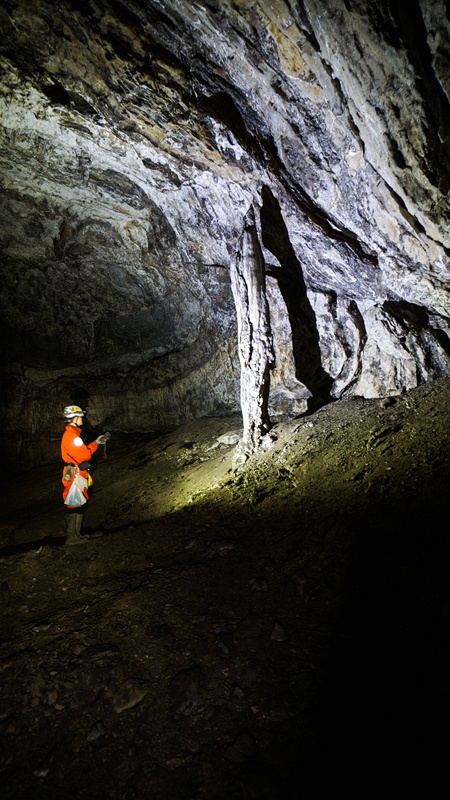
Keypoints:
(254, 338)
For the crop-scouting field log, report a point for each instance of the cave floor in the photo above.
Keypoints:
(269, 632)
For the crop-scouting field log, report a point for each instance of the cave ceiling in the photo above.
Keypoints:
(136, 137)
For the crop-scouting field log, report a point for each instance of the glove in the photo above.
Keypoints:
(103, 438)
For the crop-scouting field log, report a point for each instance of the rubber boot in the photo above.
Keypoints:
(78, 524)
(73, 529)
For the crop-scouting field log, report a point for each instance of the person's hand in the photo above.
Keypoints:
(103, 438)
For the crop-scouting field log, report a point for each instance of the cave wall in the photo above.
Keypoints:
(135, 138)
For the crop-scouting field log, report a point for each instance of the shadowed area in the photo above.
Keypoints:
(305, 336)
(227, 633)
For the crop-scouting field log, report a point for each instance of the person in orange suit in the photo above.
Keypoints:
(76, 478)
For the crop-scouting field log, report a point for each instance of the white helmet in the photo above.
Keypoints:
(72, 411)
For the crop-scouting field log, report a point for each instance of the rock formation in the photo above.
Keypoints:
(136, 137)
(255, 338)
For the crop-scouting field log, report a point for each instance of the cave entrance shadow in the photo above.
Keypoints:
(305, 336)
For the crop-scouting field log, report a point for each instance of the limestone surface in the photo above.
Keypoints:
(136, 138)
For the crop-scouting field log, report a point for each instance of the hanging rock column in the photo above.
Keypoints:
(254, 337)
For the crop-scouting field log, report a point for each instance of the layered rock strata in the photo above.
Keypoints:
(136, 136)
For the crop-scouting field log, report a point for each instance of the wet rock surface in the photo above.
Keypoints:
(233, 633)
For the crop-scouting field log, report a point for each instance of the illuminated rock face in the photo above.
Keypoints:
(136, 138)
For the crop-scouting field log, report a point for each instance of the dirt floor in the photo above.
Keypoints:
(274, 631)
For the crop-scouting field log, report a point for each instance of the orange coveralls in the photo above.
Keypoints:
(74, 451)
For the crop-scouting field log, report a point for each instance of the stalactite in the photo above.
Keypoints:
(255, 339)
